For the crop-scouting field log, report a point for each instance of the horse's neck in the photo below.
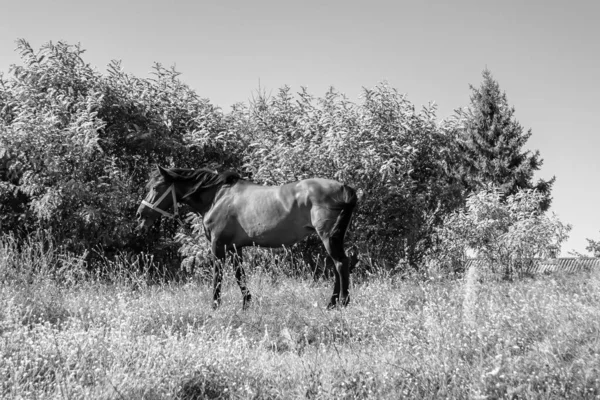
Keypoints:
(202, 202)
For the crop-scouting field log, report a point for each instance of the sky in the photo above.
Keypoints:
(544, 54)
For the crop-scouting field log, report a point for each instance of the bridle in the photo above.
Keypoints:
(154, 206)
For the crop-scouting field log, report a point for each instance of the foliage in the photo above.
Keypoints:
(504, 231)
(77, 147)
(400, 161)
(50, 140)
(492, 144)
(593, 247)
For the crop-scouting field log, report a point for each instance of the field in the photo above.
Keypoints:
(120, 337)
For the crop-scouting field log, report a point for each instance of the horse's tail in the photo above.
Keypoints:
(346, 204)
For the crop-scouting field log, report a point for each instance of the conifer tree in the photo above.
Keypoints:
(493, 144)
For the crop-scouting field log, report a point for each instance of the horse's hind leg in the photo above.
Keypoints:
(240, 276)
(332, 230)
(335, 248)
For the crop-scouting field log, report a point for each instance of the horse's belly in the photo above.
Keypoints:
(267, 217)
(275, 233)
(276, 236)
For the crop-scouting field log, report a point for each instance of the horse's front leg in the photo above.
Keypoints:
(218, 251)
(336, 291)
(240, 276)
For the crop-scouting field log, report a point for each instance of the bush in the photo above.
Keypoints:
(504, 234)
(77, 148)
(593, 247)
(399, 160)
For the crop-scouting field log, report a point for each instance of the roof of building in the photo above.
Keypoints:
(547, 265)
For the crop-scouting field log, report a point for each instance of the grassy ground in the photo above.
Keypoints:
(61, 337)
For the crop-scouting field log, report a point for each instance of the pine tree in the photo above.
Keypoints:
(493, 143)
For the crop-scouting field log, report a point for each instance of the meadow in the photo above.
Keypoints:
(121, 334)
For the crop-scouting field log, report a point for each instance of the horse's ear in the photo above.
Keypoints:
(162, 171)
(167, 174)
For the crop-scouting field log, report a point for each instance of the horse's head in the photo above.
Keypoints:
(166, 187)
(161, 197)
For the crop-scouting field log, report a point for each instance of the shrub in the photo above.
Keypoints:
(593, 247)
(77, 148)
(504, 234)
(399, 160)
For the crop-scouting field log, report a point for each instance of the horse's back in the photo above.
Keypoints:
(303, 193)
(327, 192)
(272, 216)
(250, 214)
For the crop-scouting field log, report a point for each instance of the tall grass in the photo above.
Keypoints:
(62, 337)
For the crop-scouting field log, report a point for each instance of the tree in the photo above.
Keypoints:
(493, 145)
(76, 147)
(505, 232)
(593, 247)
(398, 158)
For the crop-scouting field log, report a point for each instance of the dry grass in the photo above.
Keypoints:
(73, 339)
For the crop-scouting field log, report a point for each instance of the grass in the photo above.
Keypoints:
(68, 337)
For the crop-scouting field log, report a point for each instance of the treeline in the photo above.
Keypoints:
(76, 147)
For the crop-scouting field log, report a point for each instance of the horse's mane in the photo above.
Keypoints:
(202, 178)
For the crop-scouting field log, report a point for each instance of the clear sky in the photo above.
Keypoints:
(544, 54)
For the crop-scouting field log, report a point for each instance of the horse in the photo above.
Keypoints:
(238, 213)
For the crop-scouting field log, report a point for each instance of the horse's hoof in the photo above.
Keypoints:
(345, 300)
(336, 302)
(332, 303)
(246, 304)
(216, 304)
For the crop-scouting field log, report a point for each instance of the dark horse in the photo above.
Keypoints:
(238, 213)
